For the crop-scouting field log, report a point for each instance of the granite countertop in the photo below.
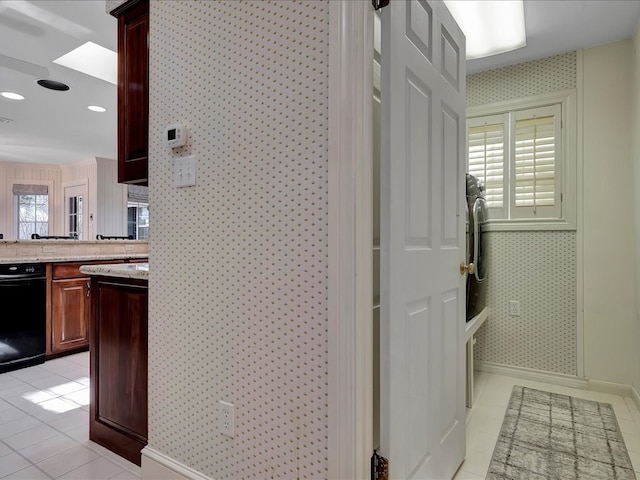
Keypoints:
(49, 251)
(122, 270)
(72, 258)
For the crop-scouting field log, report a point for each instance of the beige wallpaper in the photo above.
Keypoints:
(238, 285)
(550, 74)
(536, 268)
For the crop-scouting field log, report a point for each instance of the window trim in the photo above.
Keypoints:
(568, 170)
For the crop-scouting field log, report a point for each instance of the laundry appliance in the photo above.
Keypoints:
(477, 247)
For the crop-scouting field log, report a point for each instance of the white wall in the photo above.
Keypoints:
(106, 207)
(538, 269)
(610, 325)
(635, 152)
(110, 211)
(608, 235)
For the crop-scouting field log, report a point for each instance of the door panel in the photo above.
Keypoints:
(422, 241)
(451, 174)
(418, 108)
(418, 336)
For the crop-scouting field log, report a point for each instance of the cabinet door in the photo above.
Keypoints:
(133, 93)
(118, 411)
(70, 314)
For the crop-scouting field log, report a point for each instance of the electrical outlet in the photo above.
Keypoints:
(226, 419)
(514, 308)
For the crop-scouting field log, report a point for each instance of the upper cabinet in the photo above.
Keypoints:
(133, 91)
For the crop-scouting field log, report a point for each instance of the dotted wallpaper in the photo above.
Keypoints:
(551, 74)
(238, 282)
(538, 269)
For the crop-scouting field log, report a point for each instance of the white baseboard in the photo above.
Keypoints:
(158, 466)
(531, 374)
(609, 387)
(560, 379)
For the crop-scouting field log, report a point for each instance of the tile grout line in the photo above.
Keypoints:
(58, 430)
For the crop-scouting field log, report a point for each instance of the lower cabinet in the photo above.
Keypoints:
(70, 309)
(118, 334)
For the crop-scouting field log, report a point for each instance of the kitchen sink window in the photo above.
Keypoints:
(32, 210)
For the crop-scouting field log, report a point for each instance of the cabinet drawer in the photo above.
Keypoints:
(72, 270)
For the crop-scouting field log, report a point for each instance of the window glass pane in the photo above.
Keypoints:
(486, 160)
(138, 220)
(535, 162)
(33, 215)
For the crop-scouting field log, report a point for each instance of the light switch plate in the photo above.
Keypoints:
(184, 169)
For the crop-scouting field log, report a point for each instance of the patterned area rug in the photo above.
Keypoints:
(551, 436)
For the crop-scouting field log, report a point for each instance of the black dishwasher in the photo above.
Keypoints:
(23, 296)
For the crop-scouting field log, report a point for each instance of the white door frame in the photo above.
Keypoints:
(84, 183)
(350, 295)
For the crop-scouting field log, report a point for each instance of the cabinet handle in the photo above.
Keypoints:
(88, 288)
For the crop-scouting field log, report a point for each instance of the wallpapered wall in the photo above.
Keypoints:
(238, 285)
(536, 268)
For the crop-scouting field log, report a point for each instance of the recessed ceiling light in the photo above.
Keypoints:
(12, 95)
(491, 26)
(96, 108)
(94, 60)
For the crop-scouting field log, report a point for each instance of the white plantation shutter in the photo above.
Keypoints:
(486, 139)
(535, 179)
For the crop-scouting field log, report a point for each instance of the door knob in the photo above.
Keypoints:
(471, 268)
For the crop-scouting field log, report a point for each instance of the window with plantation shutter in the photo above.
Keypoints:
(486, 145)
(536, 158)
(517, 154)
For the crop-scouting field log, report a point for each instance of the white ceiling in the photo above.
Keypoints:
(56, 127)
(559, 26)
(49, 126)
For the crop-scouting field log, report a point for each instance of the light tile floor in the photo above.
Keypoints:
(44, 425)
(484, 420)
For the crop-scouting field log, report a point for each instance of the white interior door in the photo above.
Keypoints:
(422, 300)
(75, 205)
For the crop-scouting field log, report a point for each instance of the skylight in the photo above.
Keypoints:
(94, 60)
(491, 26)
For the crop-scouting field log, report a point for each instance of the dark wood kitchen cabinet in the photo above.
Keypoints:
(133, 91)
(118, 366)
(70, 308)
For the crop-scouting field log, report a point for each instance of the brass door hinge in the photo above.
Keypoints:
(379, 467)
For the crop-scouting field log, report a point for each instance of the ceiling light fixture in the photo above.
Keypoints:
(92, 59)
(491, 26)
(12, 95)
(96, 108)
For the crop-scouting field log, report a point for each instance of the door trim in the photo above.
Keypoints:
(350, 296)
(84, 183)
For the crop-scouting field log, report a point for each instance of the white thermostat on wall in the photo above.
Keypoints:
(175, 135)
